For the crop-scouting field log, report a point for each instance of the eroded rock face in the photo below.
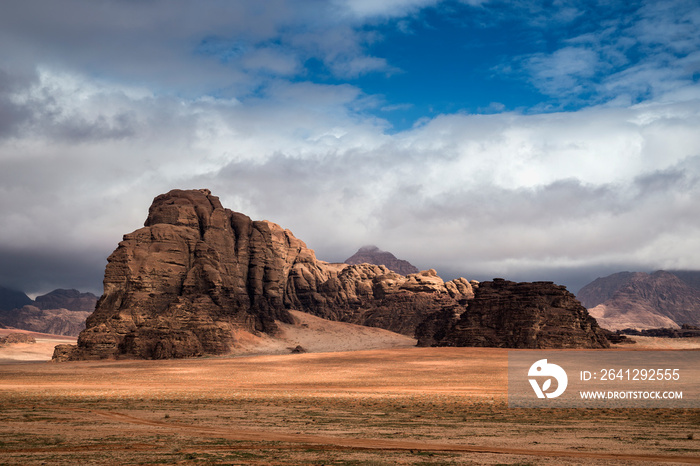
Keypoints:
(515, 315)
(178, 286)
(182, 284)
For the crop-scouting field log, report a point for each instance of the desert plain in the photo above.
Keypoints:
(398, 405)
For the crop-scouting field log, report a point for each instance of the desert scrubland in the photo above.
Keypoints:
(380, 406)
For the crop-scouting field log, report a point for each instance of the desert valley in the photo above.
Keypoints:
(222, 340)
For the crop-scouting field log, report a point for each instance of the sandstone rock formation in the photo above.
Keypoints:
(374, 255)
(643, 301)
(196, 273)
(515, 315)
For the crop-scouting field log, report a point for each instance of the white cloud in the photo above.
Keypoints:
(82, 153)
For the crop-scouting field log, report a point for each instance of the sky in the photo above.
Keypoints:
(529, 140)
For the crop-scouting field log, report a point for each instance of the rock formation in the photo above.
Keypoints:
(373, 255)
(196, 272)
(60, 312)
(515, 315)
(641, 300)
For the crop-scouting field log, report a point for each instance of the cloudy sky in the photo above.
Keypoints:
(552, 140)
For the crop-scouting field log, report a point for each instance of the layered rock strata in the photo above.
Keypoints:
(515, 315)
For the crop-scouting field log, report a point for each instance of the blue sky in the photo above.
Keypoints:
(532, 140)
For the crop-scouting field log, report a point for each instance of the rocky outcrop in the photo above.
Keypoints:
(641, 300)
(515, 315)
(196, 273)
(374, 255)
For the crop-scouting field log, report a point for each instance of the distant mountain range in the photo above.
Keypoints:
(12, 299)
(644, 300)
(374, 255)
(60, 312)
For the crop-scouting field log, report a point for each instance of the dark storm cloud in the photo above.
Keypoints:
(12, 115)
(41, 270)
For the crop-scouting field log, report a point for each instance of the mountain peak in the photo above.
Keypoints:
(371, 254)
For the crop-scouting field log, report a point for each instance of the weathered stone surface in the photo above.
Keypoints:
(178, 286)
(374, 255)
(373, 295)
(516, 315)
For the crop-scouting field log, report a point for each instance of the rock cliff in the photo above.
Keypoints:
(196, 273)
(515, 315)
(374, 255)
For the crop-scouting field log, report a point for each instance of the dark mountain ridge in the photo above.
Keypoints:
(59, 312)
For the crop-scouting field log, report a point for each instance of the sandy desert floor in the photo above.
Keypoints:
(380, 406)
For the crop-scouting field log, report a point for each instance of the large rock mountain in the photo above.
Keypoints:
(515, 315)
(60, 312)
(374, 255)
(197, 275)
(641, 300)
